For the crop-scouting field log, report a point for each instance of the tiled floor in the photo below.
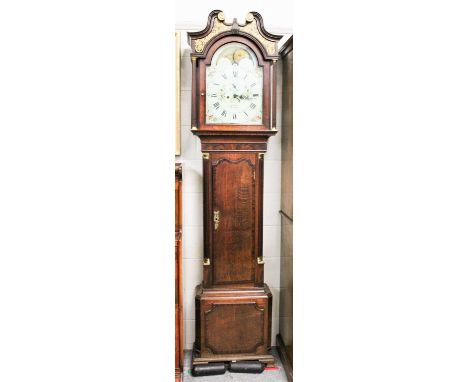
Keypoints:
(266, 376)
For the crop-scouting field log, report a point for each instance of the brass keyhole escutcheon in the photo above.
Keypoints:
(216, 219)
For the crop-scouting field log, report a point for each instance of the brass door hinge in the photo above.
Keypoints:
(260, 260)
(206, 155)
(206, 261)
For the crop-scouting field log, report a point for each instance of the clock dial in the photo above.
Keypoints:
(234, 87)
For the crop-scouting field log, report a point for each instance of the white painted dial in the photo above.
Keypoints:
(234, 87)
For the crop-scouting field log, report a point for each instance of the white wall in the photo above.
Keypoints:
(277, 19)
(192, 204)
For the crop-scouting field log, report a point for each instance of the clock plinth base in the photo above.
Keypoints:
(233, 325)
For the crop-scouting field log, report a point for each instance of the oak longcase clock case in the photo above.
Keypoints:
(233, 114)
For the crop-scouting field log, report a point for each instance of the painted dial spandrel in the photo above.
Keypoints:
(234, 87)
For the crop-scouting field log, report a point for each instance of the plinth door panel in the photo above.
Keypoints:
(222, 324)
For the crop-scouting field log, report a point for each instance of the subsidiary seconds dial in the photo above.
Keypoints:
(234, 84)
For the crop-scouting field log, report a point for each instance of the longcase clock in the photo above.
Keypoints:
(233, 114)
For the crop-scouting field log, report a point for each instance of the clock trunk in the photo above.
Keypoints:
(233, 226)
